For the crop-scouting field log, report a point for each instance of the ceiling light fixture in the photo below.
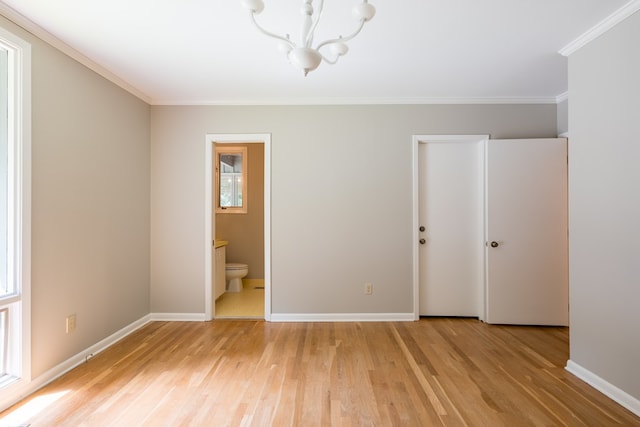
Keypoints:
(303, 55)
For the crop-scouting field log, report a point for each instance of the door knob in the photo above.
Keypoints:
(494, 244)
(422, 241)
(422, 228)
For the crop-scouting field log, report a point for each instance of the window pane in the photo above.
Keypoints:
(230, 190)
(230, 180)
(4, 340)
(5, 286)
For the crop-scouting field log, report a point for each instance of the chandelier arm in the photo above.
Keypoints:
(343, 39)
(329, 61)
(269, 34)
(309, 38)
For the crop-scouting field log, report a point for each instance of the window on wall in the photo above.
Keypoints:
(5, 284)
(231, 179)
(15, 203)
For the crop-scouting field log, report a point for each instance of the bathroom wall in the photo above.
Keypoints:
(90, 205)
(341, 203)
(245, 232)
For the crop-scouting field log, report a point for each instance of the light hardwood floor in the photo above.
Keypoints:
(451, 372)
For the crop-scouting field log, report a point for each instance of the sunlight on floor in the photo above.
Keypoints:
(33, 407)
(246, 304)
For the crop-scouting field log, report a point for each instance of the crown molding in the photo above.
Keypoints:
(602, 27)
(562, 97)
(33, 28)
(357, 101)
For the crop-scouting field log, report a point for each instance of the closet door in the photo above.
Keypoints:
(451, 251)
(526, 232)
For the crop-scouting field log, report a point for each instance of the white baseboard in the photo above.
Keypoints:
(178, 317)
(605, 387)
(342, 317)
(27, 388)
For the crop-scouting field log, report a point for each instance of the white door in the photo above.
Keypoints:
(527, 243)
(451, 253)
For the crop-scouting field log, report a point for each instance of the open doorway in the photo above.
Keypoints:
(224, 230)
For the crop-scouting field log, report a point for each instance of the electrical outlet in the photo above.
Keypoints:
(368, 288)
(71, 323)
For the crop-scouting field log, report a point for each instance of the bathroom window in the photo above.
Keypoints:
(231, 179)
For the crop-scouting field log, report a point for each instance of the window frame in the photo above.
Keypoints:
(221, 150)
(18, 303)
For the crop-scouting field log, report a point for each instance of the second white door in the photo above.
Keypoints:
(527, 244)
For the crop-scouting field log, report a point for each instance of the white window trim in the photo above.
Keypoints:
(20, 134)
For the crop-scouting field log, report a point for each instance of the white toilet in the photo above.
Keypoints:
(234, 272)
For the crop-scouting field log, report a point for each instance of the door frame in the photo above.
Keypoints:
(416, 141)
(209, 226)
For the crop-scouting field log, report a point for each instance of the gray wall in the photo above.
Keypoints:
(341, 197)
(563, 117)
(90, 205)
(604, 182)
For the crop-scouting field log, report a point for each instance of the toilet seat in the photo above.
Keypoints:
(235, 266)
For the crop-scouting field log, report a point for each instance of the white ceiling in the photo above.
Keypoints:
(413, 51)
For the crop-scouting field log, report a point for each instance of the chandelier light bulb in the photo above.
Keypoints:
(339, 49)
(364, 11)
(303, 55)
(254, 6)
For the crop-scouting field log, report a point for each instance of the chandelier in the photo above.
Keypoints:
(302, 55)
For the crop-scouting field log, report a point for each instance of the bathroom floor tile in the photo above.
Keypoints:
(246, 304)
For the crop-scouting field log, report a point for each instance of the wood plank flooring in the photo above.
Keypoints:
(435, 372)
